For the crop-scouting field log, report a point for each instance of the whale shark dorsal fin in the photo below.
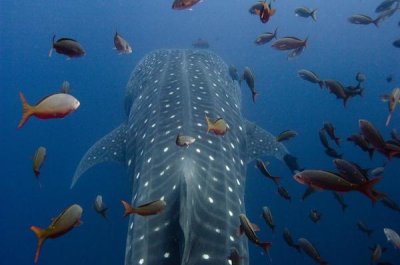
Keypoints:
(261, 142)
(109, 148)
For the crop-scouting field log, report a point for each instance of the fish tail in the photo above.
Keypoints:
(40, 234)
(254, 95)
(27, 110)
(376, 22)
(275, 33)
(276, 179)
(52, 46)
(209, 124)
(314, 14)
(265, 245)
(321, 84)
(367, 189)
(272, 12)
(128, 208)
(344, 207)
(305, 42)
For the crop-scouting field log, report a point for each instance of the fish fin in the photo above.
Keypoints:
(52, 46)
(128, 208)
(27, 110)
(388, 119)
(40, 234)
(367, 189)
(255, 227)
(209, 124)
(314, 14)
(261, 142)
(109, 148)
(272, 12)
(254, 95)
(265, 246)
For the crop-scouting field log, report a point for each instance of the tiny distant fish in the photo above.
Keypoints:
(390, 203)
(352, 91)
(374, 137)
(60, 225)
(121, 44)
(100, 207)
(396, 43)
(151, 208)
(364, 228)
(340, 199)
(361, 19)
(267, 215)
(201, 44)
(284, 193)
(234, 256)
(266, 37)
(337, 89)
(333, 153)
(323, 138)
(389, 78)
(315, 216)
(248, 76)
(219, 126)
(310, 76)
(184, 140)
(306, 12)
(233, 73)
(286, 135)
(38, 159)
(360, 77)
(360, 141)
(289, 240)
(65, 88)
(68, 47)
(184, 4)
(311, 251)
(248, 229)
(52, 106)
(376, 253)
(392, 236)
(263, 168)
(385, 5)
(289, 43)
(330, 130)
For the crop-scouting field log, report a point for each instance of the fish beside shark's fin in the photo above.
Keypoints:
(261, 142)
(109, 148)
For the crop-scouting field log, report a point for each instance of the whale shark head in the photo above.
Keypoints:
(169, 93)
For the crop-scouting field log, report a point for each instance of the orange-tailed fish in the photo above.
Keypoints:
(151, 208)
(60, 225)
(219, 126)
(52, 106)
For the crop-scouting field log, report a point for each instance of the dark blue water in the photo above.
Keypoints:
(336, 50)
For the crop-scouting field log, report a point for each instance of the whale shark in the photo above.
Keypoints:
(169, 93)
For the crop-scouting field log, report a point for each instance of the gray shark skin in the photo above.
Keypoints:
(169, 92)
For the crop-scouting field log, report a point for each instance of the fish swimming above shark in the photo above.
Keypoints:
(169, 92)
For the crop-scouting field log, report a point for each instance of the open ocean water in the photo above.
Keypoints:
(336, 49)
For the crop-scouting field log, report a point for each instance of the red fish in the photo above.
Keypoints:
(324, 180)
(52, 106)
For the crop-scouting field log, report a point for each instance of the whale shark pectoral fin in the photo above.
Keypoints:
(261, 142)
(109, 148)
